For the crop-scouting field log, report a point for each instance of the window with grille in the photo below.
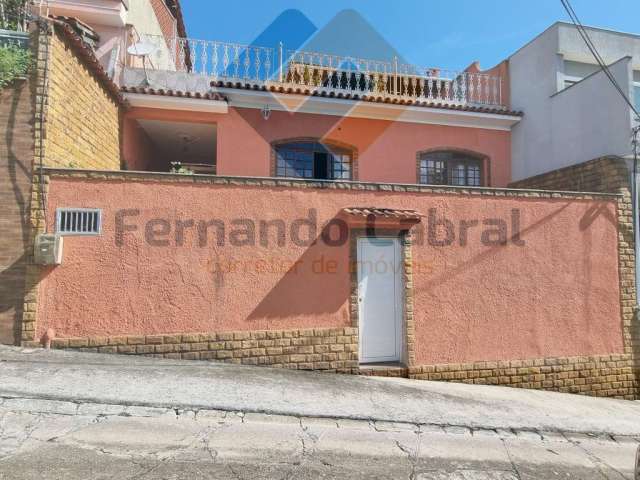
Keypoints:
(78, 221)
(313, 160)
(450, 168)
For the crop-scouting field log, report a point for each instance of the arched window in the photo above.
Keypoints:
(450, 168)
(309, 159)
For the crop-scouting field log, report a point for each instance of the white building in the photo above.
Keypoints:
(572, 113)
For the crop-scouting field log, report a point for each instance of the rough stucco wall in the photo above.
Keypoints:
(556, 296)
(82, 121)
(609, 174)
(386, 150)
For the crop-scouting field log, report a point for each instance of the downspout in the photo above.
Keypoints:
(634, 208)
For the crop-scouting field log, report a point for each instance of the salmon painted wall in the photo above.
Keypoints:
(556, 295)
(386, 149)
(139, 152)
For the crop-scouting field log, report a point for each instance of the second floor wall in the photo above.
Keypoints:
(241, 142)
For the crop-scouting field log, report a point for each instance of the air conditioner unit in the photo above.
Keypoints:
(48, 249)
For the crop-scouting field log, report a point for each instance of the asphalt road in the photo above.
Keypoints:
(114, 442)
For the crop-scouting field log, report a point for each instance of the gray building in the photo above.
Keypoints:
(572, 112)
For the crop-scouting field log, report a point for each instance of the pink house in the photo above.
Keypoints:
(309, 120)
(313, 211)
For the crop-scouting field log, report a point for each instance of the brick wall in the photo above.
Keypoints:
(167, 23)
(606, 175)
(82, 129)
(16, 160)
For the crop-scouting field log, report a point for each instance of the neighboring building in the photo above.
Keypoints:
(121, 23)
(573, 112)
(355, 222)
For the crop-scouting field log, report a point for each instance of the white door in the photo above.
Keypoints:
(380, 299)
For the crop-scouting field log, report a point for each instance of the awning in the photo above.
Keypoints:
(384, 217)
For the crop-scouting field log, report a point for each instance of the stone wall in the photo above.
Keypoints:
(326, 349)
(602, 375)
(83, 126)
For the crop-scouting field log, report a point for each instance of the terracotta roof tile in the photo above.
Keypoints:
(393, 213)
(174, 93)
(301, 90)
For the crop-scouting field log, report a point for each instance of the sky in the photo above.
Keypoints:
(448, 34)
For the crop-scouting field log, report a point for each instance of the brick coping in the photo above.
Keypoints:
(130, 175)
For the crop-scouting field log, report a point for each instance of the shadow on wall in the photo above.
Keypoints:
(16, 189)
(15, 165)
(584, 224)
(12, 282)
(318, 283)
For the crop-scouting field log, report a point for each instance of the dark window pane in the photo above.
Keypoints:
(311, 160)
(341, 166)
(450, 168)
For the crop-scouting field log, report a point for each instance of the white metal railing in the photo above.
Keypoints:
(383, 78)
(321, 72)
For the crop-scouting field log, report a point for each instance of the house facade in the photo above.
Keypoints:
(351, 120)
(316, 212)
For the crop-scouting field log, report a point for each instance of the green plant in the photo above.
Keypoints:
(14, 63)
(13, 14)
(176, 167)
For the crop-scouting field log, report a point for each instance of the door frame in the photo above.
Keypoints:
(407, 326)
(398, 299)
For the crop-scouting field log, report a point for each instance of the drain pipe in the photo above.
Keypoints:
(634, 209)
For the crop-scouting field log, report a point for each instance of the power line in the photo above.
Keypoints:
(594, 51)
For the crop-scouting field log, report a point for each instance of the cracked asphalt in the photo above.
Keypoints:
(67, 415)
(45, 439)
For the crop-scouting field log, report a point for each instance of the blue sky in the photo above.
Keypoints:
(440, 33)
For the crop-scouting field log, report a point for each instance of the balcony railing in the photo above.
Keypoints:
(332, 74)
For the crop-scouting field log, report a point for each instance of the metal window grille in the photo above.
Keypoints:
(78, 221)
(341, 166)
(296, 159)
(450, 168)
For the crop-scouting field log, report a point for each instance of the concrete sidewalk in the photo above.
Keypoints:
(122, 380)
